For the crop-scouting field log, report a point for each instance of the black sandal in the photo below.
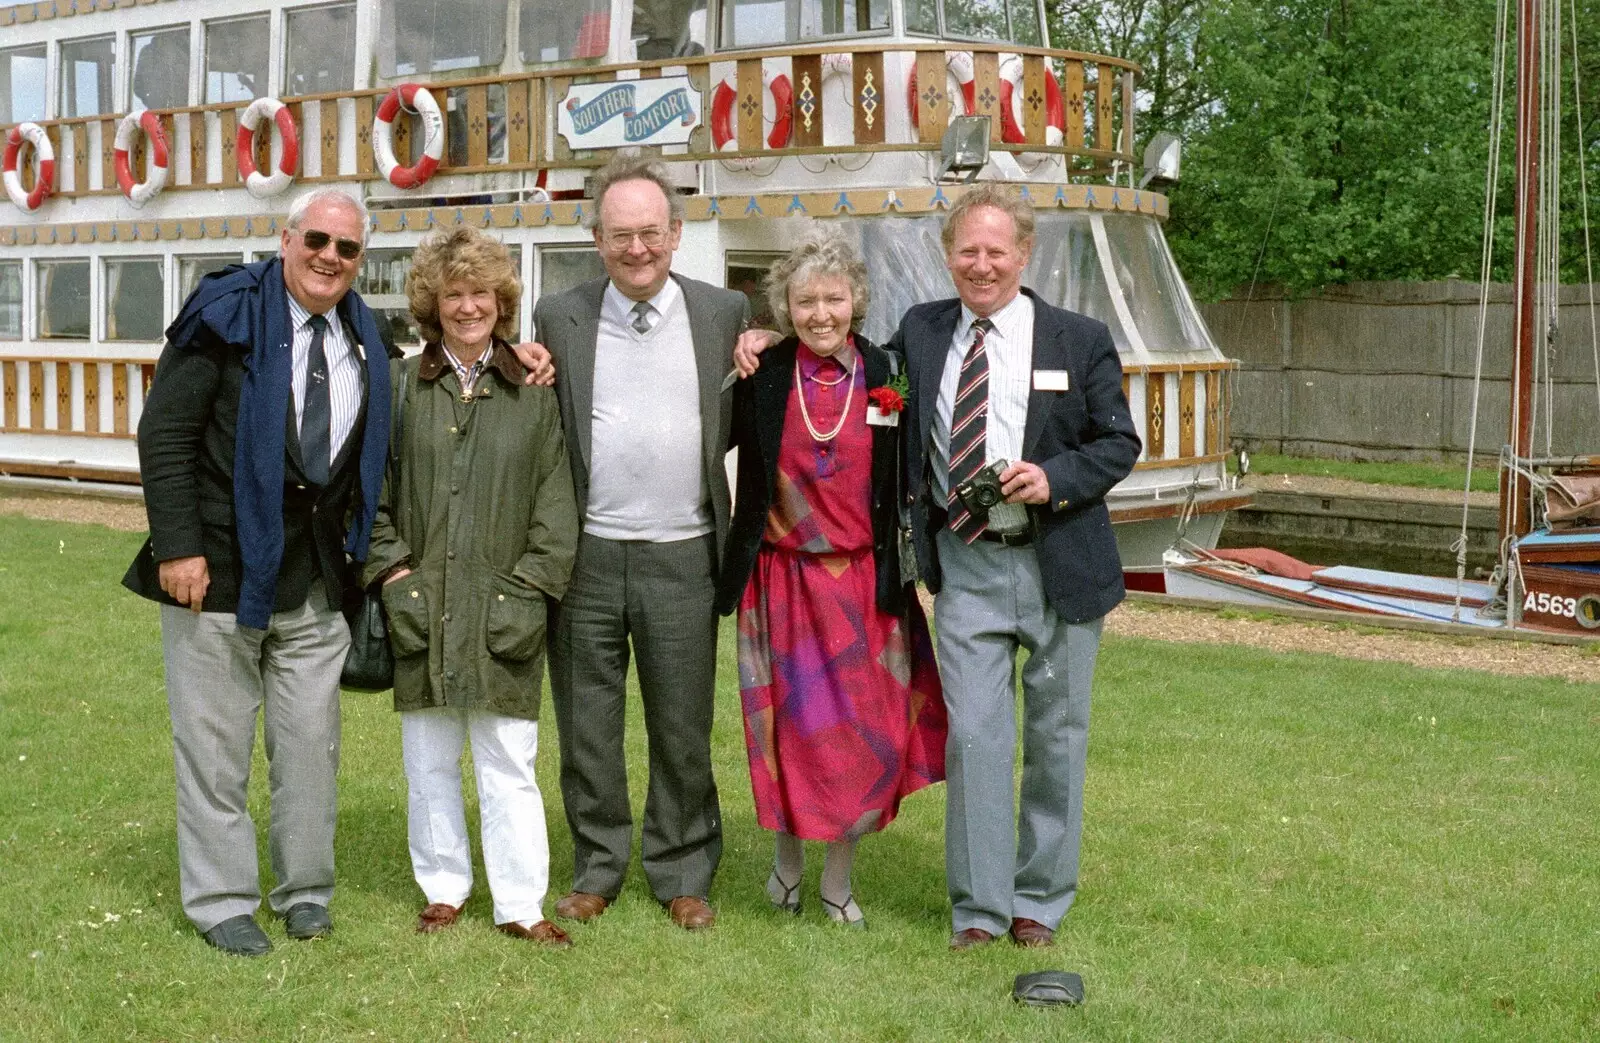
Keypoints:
(839, 913)
(790, 902)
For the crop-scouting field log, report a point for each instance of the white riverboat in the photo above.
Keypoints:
(179, 130)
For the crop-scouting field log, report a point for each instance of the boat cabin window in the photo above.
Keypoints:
(563, 30)
(760, 23)
(1008, 21)
(1160, 305)
(22, 94)
(318, 44)
(192, 269)
(566, 267)
(11, 299)
(86, 77)
(236, 61)
(669, 28)
(747, 273)
(64, 300)
(160, 74)
(135, 290)
(423, 36)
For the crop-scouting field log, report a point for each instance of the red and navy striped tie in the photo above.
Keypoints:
(969, 428)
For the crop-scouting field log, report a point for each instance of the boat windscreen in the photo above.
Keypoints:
(1158, 301)
(907, 264)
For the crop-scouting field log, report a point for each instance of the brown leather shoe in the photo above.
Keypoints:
(544, 933)
(436, 916)
(691, 912)
(1031, 934)
(971, 938)
(581, 905)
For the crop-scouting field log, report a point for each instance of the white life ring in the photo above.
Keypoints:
(959, 70)
(723, 134)
(1011, 121)
(244, 147)
(412, 98)
(141, 192)
(44, 165)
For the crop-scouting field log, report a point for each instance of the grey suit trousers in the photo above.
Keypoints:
(659, 596)
(219, 675)
(1000, 864)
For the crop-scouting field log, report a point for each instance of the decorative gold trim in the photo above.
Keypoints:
(920, 199)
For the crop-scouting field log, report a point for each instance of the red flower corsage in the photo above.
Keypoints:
(887, 399)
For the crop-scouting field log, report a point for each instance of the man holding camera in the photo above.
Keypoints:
(999, 375)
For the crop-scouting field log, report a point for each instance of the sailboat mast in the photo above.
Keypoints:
(1514, 520)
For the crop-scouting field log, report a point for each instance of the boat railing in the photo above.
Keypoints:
(1076, 105)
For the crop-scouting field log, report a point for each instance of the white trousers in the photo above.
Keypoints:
(516, 850)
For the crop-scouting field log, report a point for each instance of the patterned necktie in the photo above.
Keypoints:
(641, 318)
(316, 413)
(969, 428)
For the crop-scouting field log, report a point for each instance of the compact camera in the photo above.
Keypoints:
(982, 496)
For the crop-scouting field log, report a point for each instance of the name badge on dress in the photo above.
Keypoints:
(1050, 379)
(878, 418)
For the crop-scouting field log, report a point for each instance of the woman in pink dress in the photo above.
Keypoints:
(842, 706)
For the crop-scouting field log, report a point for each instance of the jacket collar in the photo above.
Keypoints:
(501, 359)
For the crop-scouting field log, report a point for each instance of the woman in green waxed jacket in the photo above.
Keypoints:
(476, 529)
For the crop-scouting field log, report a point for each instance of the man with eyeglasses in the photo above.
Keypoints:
(262, 449)
(640, 356)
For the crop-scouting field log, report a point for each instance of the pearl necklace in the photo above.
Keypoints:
(805, 414)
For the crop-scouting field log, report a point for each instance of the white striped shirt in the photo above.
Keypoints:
(344, 373)
(1009, 348)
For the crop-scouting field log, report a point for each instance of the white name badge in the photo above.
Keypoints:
(1050, 379)
(878, 418)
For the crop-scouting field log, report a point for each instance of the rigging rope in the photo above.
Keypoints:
(1583, 195)
(1491, 193)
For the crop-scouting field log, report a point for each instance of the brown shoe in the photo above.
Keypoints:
(692, 913)
(436, 916)
(971, 938)
(581, 905)
(544, 932)
(1031, 934)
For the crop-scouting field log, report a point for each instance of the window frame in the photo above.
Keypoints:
(188, 30)
(724, 46)
(287, 13)
(268, 87)
(108, 303)
(41, 297)
(21, 267)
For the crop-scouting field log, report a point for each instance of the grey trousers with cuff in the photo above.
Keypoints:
(1001, 864)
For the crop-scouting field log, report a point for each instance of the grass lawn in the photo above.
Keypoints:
(1277, 847)
(1416, 475)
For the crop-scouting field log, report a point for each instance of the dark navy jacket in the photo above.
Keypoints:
(1084, 439)
(218, 461)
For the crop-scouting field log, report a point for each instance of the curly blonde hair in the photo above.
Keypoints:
(820, 253)
(466, 255)
(1002, 197)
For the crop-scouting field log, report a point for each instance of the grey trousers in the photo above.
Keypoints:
(219, 675)
(1001, 864)
(659, 596)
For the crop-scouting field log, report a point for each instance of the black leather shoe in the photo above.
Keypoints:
(239, 936)
(306, 921)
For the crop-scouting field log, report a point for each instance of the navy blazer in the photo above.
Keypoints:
(1084, 439)
(759, 407)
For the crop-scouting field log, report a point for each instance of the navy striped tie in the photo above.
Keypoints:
(316, 413)
(969, 429)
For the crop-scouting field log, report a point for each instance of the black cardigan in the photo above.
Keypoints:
(759, 405)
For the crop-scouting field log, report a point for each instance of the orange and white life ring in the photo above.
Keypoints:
(1055, 110)
(141, 192)
(413, 98)
(781, 125)
(958, 64)
(244, 149)
(44, 165)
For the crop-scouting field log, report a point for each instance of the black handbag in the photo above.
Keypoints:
(369, 665)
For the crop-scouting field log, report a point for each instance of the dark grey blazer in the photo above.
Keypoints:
(568, 324)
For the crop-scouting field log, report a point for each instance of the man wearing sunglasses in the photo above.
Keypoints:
(262, 448)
